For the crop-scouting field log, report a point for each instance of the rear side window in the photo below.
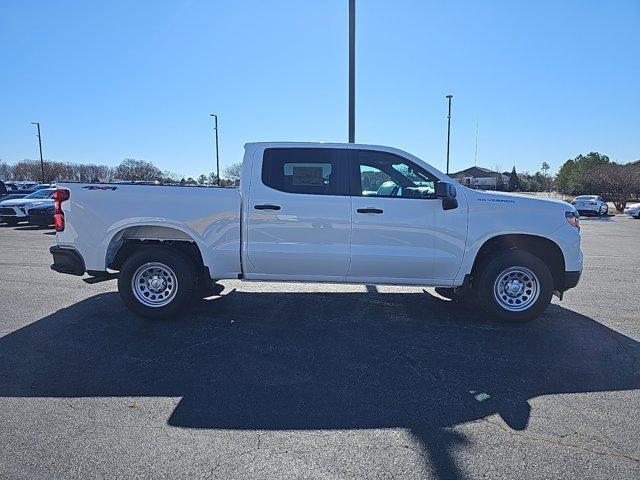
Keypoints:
(315, 171)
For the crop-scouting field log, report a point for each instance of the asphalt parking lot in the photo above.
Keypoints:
(319, 381)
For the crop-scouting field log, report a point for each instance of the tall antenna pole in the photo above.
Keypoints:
(40, 145)
(449, 97)
(352, 71)
(475, 157)
(215, 127)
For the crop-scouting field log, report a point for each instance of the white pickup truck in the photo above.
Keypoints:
(317, 212)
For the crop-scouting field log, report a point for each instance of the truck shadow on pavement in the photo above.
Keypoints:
(274, 361)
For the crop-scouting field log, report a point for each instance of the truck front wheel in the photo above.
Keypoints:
(157, 282)
(515, 286)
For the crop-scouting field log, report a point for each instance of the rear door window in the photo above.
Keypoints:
(314, 171)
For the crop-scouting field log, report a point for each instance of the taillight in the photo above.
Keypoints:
(573, 218)
(59, 196)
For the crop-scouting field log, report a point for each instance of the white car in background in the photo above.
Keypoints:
(590, 205)
(633, 210)
(15, 211)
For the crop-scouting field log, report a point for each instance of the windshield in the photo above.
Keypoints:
(585, 197)
(41, 194)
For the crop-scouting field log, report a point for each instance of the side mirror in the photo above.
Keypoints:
(447, 193)
(445, 190)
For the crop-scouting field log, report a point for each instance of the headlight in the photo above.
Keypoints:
(573, 218)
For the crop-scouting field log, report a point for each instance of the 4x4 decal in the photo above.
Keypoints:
(100, 187)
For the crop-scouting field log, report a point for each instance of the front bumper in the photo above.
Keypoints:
(67, 260)
(41, 220)
(12, 213)
(571, 279)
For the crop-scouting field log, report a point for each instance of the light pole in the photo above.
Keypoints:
(40, 145)
(352, 71)
(449, 97)
(215, 127)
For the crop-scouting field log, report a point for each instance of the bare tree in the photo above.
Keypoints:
(89, 172)
(232, 172)
(31, 170)
(5, 170)
(616, 183)
(132, 169)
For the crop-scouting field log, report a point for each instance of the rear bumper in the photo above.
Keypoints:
(67, 260)
(588, 211)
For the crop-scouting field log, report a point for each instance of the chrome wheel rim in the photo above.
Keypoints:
(516, 289)
(154, 284)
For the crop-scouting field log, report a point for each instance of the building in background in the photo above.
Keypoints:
(482, 178)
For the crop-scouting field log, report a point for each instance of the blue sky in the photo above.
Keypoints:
(113, 79)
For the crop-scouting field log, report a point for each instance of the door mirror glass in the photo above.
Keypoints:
(445, 190)
(447, 193)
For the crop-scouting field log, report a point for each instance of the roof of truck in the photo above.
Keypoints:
(318, 144)
(364, 146)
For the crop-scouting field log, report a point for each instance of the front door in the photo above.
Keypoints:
(393, 213)
(299, 215)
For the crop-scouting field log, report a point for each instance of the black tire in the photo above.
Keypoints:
(12, 223)
(493, 269)
(181, 288)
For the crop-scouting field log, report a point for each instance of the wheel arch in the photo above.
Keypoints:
(127, 239)
(542, 247)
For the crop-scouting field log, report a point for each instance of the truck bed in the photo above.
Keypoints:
(108, 214)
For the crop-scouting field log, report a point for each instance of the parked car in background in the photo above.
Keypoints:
(12, 196)
(590, 205)
(12, 191)
(21, 185)
(41, 215)
(633, 210)
(14, 211)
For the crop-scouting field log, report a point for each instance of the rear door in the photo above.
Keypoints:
(299, 215)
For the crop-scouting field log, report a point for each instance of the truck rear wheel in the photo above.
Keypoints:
(157, 282)
(515, 286)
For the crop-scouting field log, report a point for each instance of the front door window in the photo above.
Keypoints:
(382, 174)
